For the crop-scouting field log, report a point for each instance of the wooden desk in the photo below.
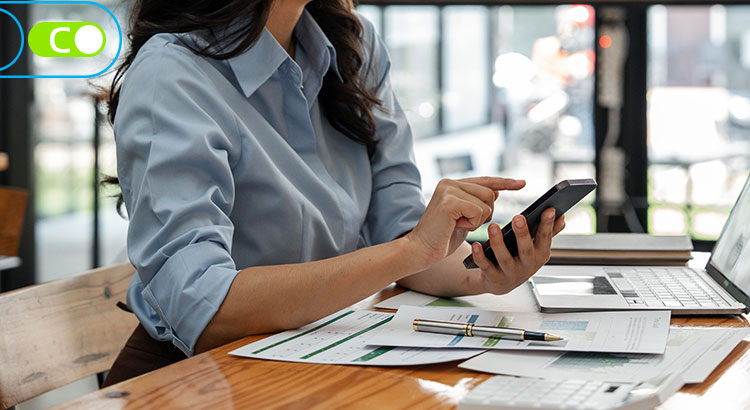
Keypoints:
(217, 380)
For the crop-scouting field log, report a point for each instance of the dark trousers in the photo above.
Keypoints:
(142, 354)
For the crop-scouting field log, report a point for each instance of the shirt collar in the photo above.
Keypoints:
(312, 38)
(258, 63)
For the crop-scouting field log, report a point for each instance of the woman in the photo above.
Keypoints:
(268, 173)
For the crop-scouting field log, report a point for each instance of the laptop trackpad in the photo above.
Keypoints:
(573, 285)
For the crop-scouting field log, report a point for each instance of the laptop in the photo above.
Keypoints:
(722, 287)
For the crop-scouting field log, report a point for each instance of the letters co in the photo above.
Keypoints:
(66, 39)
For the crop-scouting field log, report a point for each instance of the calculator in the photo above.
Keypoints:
(508, 392)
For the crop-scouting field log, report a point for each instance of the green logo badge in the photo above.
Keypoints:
(67, 39)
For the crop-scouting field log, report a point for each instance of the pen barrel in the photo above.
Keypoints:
(435, 326)
(504, 333)
(470, 329)
(467, 329)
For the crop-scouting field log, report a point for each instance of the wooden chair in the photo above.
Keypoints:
(12, 210)
(56, 333)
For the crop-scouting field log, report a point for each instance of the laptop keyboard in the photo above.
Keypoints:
(669, 287)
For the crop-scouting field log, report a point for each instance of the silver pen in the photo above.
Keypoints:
(470, 329)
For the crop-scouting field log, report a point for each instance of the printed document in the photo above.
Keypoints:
(344, 338)
(692, 352)
(621, 332)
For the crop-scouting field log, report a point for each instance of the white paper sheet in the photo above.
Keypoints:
(410, 298)
(344, 338)
(520, 299)
(631, 332)
(692, 352)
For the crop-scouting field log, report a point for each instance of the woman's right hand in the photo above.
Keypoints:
(457, 207)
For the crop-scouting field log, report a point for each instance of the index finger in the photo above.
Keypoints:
(497, 183)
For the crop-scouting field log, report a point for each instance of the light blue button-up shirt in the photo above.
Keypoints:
(231, 164)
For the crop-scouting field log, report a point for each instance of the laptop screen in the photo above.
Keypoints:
(731, 255)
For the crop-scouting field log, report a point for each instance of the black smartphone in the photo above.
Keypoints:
(562, 197)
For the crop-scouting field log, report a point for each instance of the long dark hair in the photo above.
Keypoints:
(346, 104)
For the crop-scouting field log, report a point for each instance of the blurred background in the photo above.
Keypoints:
(653, 100)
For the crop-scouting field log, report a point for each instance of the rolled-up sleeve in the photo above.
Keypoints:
(176, 147)
(397, 203)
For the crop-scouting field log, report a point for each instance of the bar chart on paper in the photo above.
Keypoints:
(584, 361)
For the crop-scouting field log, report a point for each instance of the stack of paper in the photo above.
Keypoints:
(587, 354)
(624, 346)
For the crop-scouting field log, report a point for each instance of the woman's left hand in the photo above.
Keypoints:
(532, 253)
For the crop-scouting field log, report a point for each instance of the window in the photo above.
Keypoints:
(412, 35)
(466, 65)
(698, 116)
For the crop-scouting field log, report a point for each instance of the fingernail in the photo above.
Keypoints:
(476, 247)
(551, 215)
(494, 229)
(518, 221)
